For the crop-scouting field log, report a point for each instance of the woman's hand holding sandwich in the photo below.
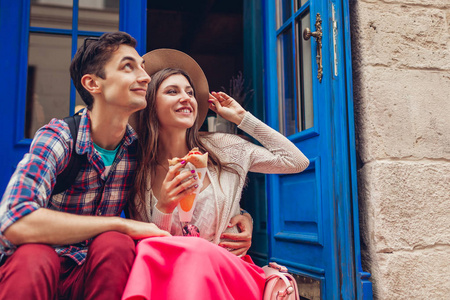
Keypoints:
(175, 188)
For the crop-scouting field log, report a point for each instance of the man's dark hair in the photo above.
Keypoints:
(92, 56)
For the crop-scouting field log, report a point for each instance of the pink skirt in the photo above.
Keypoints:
(191, 268)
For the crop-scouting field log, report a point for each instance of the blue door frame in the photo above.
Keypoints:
(334, 168)
(14, 31)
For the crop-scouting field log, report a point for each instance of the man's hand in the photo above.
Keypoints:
(241, 241)
(139, 230)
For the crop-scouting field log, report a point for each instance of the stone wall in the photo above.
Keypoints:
(401, 65)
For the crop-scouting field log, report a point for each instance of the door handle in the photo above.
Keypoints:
(307, 34)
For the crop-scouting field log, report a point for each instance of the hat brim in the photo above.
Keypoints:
(160, 59)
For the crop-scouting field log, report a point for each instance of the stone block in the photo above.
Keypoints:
(419, 274)
(430, 3)
(404, 205)
(402, 113)
(400, 35)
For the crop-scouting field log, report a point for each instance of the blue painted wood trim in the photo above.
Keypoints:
(133, 20)
(363, 285)
(341, 173)
(305, 134)
(22, 74)
(270, 92)
(300, 268)
(12, 26)
(74, 33)
(324, 106)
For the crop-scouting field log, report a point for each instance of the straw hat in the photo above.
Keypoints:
(159, 59)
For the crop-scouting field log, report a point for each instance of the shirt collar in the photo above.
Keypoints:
(84, 140)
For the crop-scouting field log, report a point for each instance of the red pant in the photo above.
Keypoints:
(35, 271)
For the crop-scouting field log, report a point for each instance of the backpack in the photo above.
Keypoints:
(67, 177)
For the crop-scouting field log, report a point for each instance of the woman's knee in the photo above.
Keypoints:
(202, 246)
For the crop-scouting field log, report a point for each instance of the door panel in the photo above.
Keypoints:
(300, 223)
(305, 209)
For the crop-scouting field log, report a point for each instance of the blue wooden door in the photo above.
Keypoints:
(312, 226)
(39, 38)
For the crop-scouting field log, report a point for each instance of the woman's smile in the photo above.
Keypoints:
(184, 110)
(175, 103)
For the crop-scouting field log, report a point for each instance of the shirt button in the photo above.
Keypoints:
(99, 213)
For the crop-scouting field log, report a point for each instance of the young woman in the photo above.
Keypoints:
(187, 267)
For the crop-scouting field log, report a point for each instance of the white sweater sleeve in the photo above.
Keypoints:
(149, 212)
(162, 220)
(279, 154)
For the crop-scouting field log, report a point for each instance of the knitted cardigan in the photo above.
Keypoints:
(278, 156)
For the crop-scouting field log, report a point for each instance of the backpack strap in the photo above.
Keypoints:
(67, 177)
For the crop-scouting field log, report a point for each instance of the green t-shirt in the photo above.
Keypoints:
(107, 155)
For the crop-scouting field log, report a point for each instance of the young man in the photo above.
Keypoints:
(94, 246)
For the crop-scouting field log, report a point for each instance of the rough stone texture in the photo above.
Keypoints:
(403, 113)
(427, 275)
(425, 3)
(403, 36)
(401, 64)
(408, 204)
(405, 214)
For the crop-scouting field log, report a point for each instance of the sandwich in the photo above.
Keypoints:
(197, 161)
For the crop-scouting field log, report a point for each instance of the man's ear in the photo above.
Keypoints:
(89, 82)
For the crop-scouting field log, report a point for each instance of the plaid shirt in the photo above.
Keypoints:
(93, 193)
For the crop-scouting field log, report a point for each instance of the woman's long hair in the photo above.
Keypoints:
(148, 134)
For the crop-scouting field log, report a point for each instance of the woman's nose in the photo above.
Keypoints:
(185, 97)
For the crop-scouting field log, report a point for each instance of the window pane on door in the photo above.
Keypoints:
(98, 15)
(299, 3)
(48, 82)
(284, 11)
(286, 83)
(51, 13)
(304, 77)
